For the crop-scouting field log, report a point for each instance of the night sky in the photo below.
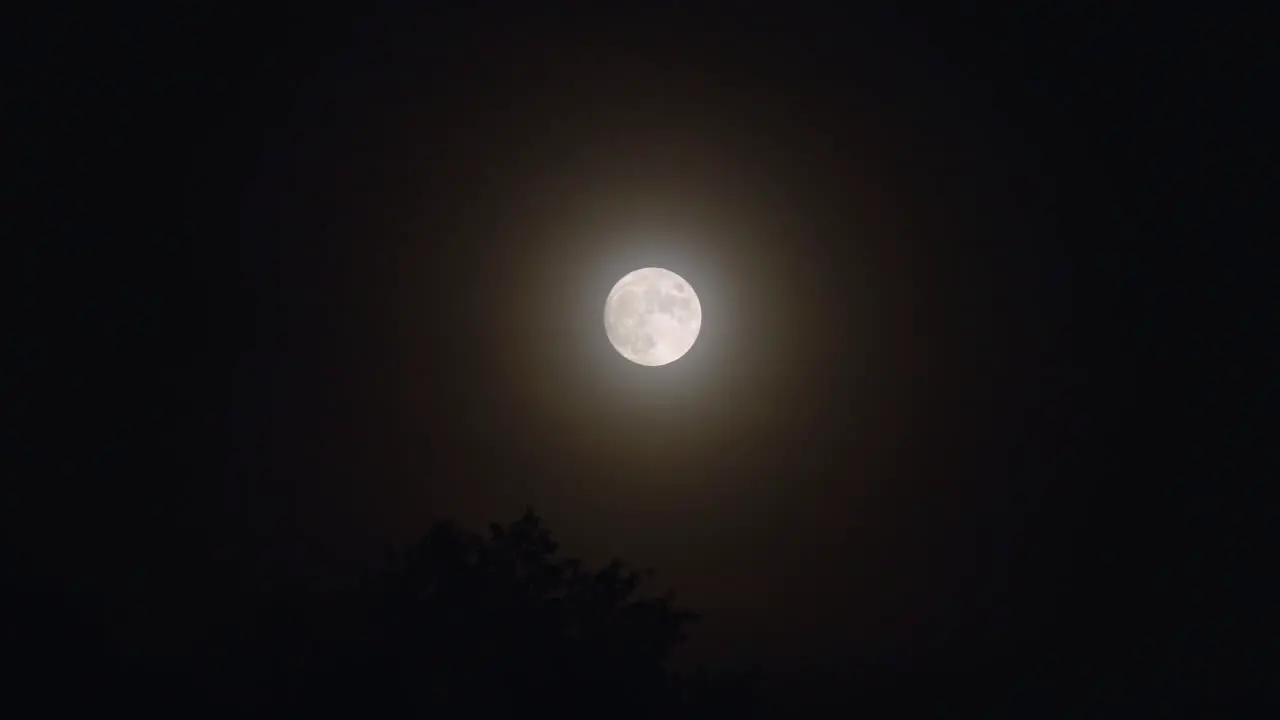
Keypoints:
(372, 254)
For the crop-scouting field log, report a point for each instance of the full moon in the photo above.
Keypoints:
(652, 316)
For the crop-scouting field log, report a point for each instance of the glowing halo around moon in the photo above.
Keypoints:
(652, 316)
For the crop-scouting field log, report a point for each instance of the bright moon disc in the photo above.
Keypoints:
(652, 316)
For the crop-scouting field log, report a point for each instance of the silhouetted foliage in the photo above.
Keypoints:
(500, 624)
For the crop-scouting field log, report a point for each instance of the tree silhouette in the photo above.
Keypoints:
(500, 624)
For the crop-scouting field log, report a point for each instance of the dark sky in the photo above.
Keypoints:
(372, 251)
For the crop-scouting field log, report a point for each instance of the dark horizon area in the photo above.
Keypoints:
(341, 275)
